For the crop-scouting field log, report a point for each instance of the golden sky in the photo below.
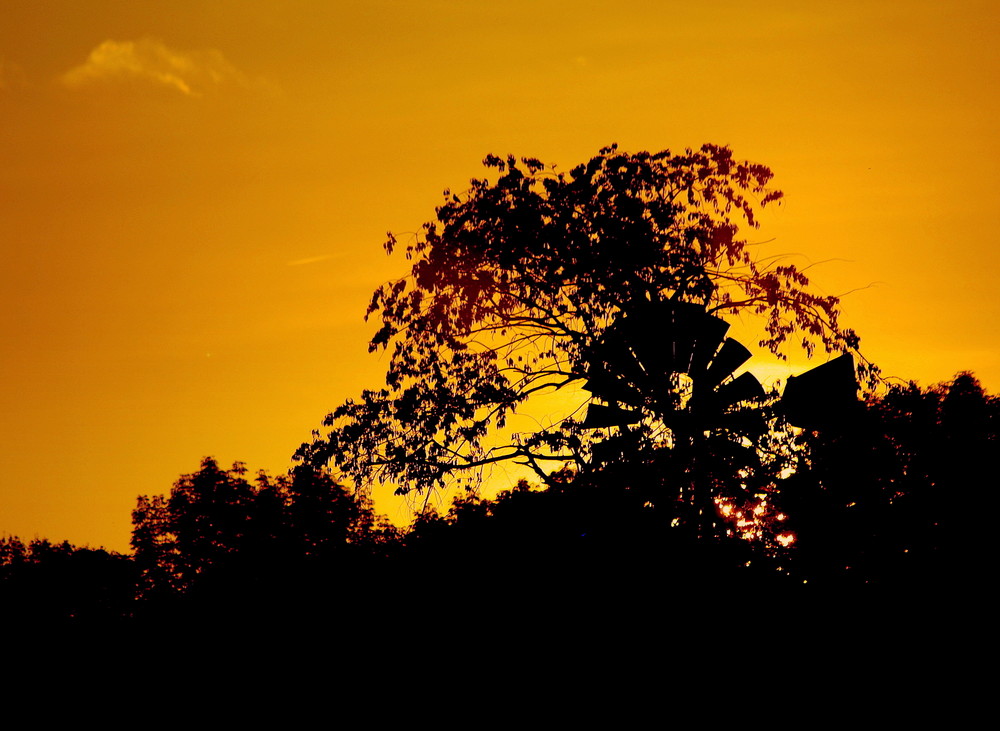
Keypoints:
(194, 194)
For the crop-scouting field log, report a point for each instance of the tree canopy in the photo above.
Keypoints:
(215, 526)
(518, 280)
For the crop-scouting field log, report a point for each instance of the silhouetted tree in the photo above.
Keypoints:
(209, 513)
(899, 496)
(516, 283)
(580, 545)
(58, 583)
(219, 535)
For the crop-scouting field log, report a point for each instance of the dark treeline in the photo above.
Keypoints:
(897, 497)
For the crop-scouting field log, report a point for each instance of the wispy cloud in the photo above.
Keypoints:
(311, 260)
(192, 73)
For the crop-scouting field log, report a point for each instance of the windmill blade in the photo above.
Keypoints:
(673, 337)
(614, 373)
(712, 331)
(614, 449)
(711, 405)
(744, 388)
(606, 385)
(609, 450)
(695, 335)
(650, 337)
(730, 357)
(599, 417)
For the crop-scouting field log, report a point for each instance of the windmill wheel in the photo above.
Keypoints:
(636, 369)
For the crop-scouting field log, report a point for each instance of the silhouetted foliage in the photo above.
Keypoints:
(579, 546)
(53, 584)
(220, 537)
(515, 284)
(896, 498)
(902, 495)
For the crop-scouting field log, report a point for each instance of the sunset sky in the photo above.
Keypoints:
(194, 196)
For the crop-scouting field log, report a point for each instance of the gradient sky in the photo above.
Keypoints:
(194, 194)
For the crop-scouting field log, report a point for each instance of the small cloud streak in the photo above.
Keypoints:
(191, 73)
(311, 260)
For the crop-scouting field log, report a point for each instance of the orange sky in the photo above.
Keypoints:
(194, 194)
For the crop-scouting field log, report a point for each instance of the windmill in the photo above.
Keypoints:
(673, 361)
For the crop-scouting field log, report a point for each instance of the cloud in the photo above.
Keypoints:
(312, 260)
(191, 73)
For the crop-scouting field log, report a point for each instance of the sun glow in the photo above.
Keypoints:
(753, 520)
